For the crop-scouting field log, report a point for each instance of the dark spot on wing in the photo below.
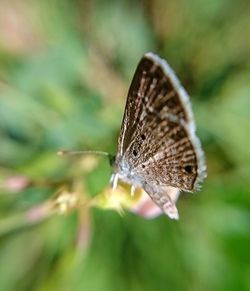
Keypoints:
(188, 169)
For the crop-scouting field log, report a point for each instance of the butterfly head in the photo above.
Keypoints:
(111, 160)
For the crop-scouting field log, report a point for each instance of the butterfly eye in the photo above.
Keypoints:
(134, 153)
(188, 169)
(143, 136)
(111, 160)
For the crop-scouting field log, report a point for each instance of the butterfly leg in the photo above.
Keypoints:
(132, 190)
(114, 181)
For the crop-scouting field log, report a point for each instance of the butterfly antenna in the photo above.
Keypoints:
(99, 153)
(65, 153)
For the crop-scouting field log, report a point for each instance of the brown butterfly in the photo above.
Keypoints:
(158, 149)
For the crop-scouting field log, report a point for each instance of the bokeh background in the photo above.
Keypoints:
(65, 68)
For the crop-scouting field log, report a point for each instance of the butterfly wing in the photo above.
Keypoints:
(157, 139)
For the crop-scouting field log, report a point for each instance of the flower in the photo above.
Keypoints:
(137, 201)
(15, 183)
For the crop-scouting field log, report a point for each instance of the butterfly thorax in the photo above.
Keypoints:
(125, 172)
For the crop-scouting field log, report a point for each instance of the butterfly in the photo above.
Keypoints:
(158, 149)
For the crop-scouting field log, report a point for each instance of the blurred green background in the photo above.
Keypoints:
(65, 68)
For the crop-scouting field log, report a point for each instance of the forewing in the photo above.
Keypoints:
(158, 138)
